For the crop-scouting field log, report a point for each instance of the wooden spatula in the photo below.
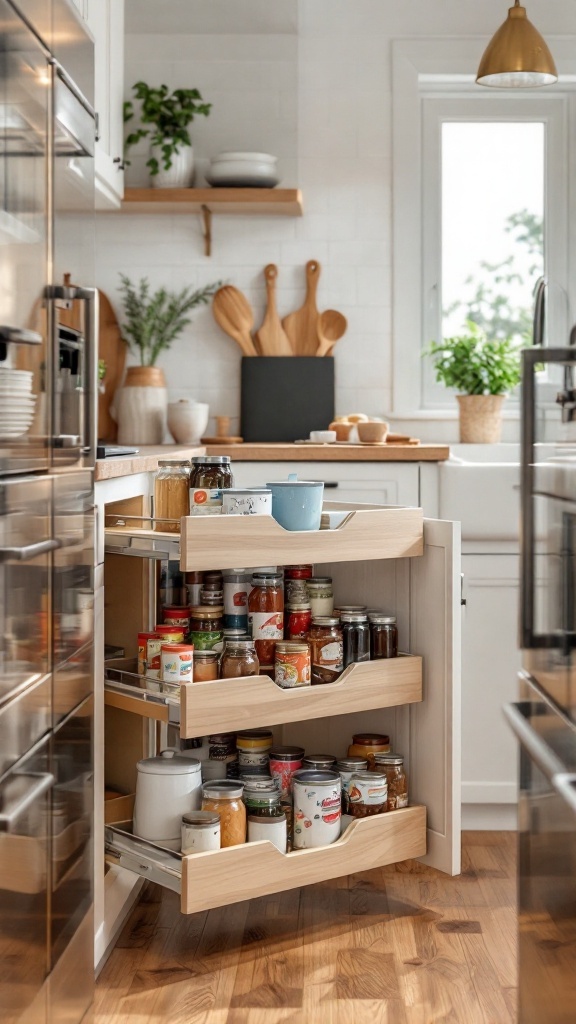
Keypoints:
(302, 325)
(233, 313)
(331, 326)
(272, 339)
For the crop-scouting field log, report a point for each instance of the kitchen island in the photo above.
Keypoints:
(265, 452)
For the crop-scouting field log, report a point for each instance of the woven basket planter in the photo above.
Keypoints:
(480, 418)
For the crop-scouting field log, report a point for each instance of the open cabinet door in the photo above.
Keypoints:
(435, 723)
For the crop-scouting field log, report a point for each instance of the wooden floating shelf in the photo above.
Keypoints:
(225, 705)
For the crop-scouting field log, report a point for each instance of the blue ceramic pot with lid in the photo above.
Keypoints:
(297, 504)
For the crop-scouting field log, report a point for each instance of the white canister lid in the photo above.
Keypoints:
(169, 763)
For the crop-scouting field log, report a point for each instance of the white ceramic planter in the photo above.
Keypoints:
(187, 421)
(167, 787)
(179, 175)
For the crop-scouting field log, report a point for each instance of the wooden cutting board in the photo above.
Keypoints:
(302, 325)
(272, 339)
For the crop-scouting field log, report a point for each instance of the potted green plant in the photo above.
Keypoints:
(168, 114)
(483, 370)
(152, 322)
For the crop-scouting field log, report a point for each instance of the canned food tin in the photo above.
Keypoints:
(153, 663)
(176, 663)
(142, 641)
(292, 665)
(317, 811)
(367, 794)
(347, 767)
(177, 616)
(284, 762)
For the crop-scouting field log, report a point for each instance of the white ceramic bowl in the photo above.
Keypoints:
(187, 420)
(247, 157)
(323, 436)
(243, 169)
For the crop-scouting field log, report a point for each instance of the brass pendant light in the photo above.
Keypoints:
(517, 57)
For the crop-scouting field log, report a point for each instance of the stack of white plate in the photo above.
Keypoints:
(243, 170)
(17, 403)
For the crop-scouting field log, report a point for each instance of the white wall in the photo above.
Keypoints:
(322, 102)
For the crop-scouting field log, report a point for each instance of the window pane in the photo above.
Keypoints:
(492, 225)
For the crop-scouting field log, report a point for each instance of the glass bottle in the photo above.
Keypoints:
(210, 474)
(356, 635)
(383, 636)
(393, 766)
(171, 494)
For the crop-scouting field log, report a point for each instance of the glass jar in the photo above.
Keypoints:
(262, 801)
(284, 761)
(367, 794)
(393, 766)
(170, 584)
(366, 744)
(239, 659)
(236, 589)
(253, 747)
(170, 634)
(321, 762)
(356, 635)
(205, 666)
(291, 664)
(326, 649)
(383, 636)
(171, 494)
(356, 609)
(212, 599)
(225, 797)
(295, 577)
(176, 615)
(200, 832)
(298, 619)
(206, 629)
(142, 646)
(194, 582)
(210, 474)
(266, 614)
(321, 595)
(346, 768)
(271, 827)
(222, 746)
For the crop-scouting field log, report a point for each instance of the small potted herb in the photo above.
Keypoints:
(483, 370)
(168, 114)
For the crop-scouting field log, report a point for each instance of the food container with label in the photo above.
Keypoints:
(171, 494)
(346, 767)
(210, 475)
(297, 620)
(176, 663)
(177, 616)
(266, 613)
(205, 666)
(367, 794)
(225, 797)
(153, 659)
(326, 649)
(142, 649)
(206, 629)
(194, 581)
(167, 787)
(271, 827)
(237, 585)
(239, 659)
(317, 808)
(254, 747)
(247, 501)
(393, 766)
(284, 762)
(170, 634)
(321, 595)
(291, 664)
(200, 832)
(295, 577)
(366, 744)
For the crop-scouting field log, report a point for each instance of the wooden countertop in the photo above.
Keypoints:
(262, 452)
(145, 462)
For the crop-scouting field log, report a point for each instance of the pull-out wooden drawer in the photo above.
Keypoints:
(206, 880)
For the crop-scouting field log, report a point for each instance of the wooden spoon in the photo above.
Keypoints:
(233, 313)
(302, 325)
(272, 339)
(331, 326)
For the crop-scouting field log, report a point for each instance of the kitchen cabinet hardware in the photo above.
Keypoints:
(28, 551)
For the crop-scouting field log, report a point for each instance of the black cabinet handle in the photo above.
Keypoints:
(331, 483)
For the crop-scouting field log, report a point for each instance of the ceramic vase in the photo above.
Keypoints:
(179, 175)
(480, 418)
(141, 406)
(187, 421)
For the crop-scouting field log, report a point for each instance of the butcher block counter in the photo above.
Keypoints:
(146, 461)
(261, 452)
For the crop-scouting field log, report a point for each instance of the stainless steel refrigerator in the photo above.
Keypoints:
(48, 372)
(544, 719)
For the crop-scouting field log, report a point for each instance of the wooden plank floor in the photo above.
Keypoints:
(398, 945)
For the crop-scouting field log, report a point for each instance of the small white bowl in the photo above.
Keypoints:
(323, 436)
(187, 420)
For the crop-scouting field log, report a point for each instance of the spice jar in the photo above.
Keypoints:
(261, 801)
(266, 614)
(383, 636)
(210, 474)
(393, 766)
(326, 649)
(358, 609)
(367, 794)
(356, 635)
(205, 666)
(253, 749)
(236, 587)
(205, 628)
(171, 494)
(194, 582)
(298, 619)
(317, 808)
(323, 762)
(292, 664)
(200, 832)
(225, 797)
(239, 659)
(295, 577)
(321, 595)
(272, 827)
(284, 761)
(365, 744)
(346, 768)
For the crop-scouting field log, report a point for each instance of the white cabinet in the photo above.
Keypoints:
(105, 19)
(379, 483)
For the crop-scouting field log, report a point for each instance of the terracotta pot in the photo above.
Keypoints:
(141, 406)
(480, 418)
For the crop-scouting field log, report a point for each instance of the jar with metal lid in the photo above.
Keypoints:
(260, 783)
(298, 619)
(237, 584)
(366, 744)
(295, 577)
(170, 634)
(367, 794)
(176, 615)
(210, 474)
(393, 766)
(171, 494)
(317, 808)
(266, 614)
(356, 635)
(239, 659)
(346, 767)
(358, 609)
(253, 747)
(194, 583)
(326, 649)
(200, 832)
(323, 762)
(225, 797)
(206, 630)
(222, 746)
(261, 801)
(383, 636)
(212, 599)
(284, 762)
(291, 664)
(321, 595)
(271, 827)
(176, 663)
(205, 666)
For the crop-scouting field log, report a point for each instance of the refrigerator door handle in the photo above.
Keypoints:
(41, 782)
(539, 752)
(28, 551)
(565, 786)
(19, 336)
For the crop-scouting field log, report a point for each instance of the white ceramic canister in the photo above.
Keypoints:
(237, 585)
(200, 832)
(167, 787)
(247, 501)
(273, 829)
(317, 808)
